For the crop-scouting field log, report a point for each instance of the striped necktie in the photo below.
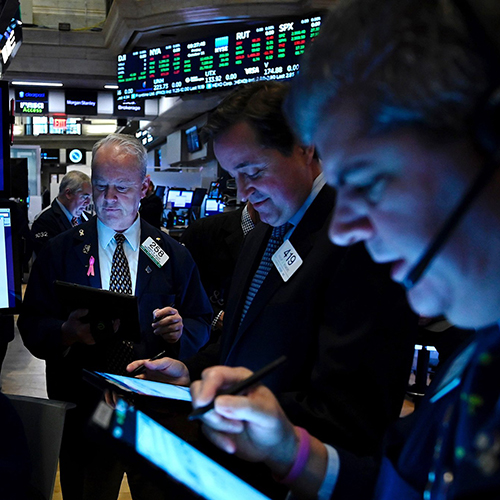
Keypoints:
(275, 241)
(74, 221)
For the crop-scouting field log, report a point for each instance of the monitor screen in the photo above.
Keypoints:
(213, 207)
(269, 51)
(180, 198)
(4, 141)
(198, 197)
(10, 274)
(160, 192)
(214, 191)
(49, 156)
(193, 139)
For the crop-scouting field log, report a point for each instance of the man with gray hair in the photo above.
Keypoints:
(115, 251)
(67, 209)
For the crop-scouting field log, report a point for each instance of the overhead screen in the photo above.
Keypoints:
(270, 51)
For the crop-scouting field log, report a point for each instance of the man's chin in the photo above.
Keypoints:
(427, 301)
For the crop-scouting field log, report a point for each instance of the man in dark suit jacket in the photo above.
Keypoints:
(339, 319)
(151, 209)
(67, 209)
(174, 312)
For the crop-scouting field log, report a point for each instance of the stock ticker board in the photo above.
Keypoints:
(269, 52)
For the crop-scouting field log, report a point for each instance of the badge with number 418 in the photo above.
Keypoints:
(287, 260)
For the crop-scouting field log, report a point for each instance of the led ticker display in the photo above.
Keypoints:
(271, 51)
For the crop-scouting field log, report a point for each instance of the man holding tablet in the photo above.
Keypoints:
(119, 252)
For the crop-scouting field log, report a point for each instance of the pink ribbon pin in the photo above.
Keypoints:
(91, 266)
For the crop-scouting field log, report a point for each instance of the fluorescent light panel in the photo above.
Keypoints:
(38, 84)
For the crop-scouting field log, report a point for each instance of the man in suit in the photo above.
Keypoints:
(215, 243)
(151, 209)
(336, 316)
(67, 209)
(174, 312)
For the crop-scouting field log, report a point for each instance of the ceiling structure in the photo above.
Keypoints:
(86, 56)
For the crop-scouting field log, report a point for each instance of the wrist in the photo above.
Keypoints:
(280, 459)
(289, 474)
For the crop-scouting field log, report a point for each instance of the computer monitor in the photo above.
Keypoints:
(213, 207)
(193, 139)
(180, 198)
(160, 192)
(214, 191)
(10, 265)
(4, 141)
(198, 197)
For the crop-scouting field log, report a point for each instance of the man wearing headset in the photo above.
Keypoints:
(398, 97)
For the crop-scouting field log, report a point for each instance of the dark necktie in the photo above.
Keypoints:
(121, 352)
(74, 221)
(120, 273)
(275, 241)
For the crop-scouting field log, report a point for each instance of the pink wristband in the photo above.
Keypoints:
(301, 458)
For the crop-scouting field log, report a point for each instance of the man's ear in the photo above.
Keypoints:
(308, 152)
(145, 186)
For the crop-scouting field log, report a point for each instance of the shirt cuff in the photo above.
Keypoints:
(331, 475)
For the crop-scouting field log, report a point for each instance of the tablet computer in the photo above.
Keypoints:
(168, 452)
(138, 386)
(104, 307)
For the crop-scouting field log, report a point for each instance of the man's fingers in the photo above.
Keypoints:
(215, 379)
(221, 440)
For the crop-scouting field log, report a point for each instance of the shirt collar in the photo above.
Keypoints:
(66, 212)
(317, 186)
(247, 223)
(133, 234)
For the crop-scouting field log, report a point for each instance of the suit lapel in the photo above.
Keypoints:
(302, 239)
(86, 246)
(145, 267)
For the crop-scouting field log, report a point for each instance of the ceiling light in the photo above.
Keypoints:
(38, 84)
(111, 86)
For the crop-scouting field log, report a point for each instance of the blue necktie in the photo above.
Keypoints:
(275, 241)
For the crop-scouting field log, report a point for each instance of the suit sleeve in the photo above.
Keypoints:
(43, 229)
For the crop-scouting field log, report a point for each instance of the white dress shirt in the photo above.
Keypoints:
(107, 246)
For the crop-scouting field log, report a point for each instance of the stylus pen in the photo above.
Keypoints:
(142, 368)
(239, 387)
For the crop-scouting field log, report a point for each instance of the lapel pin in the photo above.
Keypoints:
(148, 270)
(86, 249)
(81, 232)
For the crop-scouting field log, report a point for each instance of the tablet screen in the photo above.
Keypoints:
(177, 458)
(148, 387)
